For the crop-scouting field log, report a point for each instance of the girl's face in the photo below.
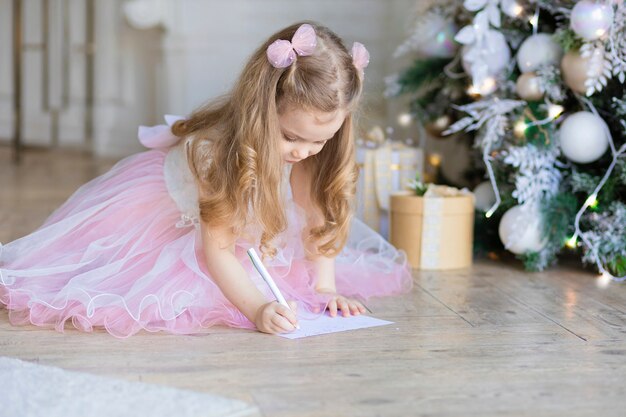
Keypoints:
(306, 132)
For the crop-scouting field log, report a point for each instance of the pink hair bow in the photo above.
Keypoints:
(281, 53)
(360, 56)
(159, 136)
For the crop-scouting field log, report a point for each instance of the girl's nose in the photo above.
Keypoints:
(299, 154)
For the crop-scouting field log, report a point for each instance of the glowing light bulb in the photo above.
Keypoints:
(472, 90)
(511, 8)
(520, 129)
(434, 159)
(571, 242)
(486, 87)
(405, 119)
(604, 280)
(592, 201)
(555, 110)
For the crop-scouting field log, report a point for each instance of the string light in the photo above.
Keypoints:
(592, 201)
(534, 21)
(605, 275)
(492, 179)
(571, 242)
(520, 128)
(555, 110)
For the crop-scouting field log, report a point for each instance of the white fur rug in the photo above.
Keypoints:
(30, 389)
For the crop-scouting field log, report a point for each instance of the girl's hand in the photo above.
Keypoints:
(348, 306)
(276, 318)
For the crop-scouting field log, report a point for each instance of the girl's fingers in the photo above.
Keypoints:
(343, 305)
(362, 308)
(354, 308)
(282, 323)
(332, 308)
(347, 306)
(287, 313)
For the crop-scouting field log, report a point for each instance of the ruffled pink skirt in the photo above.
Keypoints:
(113, 256)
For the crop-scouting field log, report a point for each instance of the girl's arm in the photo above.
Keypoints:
(233, 281)
(325, 271)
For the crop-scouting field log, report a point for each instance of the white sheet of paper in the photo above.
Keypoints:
(325, 324)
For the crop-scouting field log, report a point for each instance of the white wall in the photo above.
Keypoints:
(195, 53)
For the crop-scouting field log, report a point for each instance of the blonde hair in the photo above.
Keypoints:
(235, 152)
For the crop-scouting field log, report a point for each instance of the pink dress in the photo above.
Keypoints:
(124, 252)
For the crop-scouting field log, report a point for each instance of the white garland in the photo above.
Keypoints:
(608, 233)
(483, 110)
(537, 178)
(492, 113)
(550, 82)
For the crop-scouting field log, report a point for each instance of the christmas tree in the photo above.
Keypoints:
(538, 86)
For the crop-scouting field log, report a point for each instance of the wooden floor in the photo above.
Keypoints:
(492, 340)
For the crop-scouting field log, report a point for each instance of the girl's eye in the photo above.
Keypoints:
(288, 139)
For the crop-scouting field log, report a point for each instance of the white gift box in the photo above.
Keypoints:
(382, 171)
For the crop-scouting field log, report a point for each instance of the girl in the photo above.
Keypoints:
(159, 242)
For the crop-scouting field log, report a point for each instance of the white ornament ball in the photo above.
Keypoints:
(538, 50)
(492, 57)
(591, 20)
(520, 230)
(528, 86)
(484, 196)
(583, 137)
(142, 14)
(576, 69)
(437, 37)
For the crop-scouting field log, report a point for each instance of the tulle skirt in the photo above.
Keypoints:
(115, 255)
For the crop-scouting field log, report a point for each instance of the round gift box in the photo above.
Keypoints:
(435, 232)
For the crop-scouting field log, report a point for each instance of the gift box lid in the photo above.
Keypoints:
(409, 203)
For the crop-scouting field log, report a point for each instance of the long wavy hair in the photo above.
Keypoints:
(235, 151)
